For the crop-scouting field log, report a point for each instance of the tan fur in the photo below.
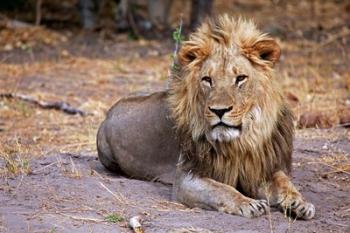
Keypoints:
(234, 129)
(265, 146)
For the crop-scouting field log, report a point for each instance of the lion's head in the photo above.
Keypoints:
(223, 94)
(224, 87)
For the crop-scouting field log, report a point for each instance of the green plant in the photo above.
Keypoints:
(113, 218)
(178, 38)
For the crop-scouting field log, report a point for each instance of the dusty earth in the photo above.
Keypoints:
(50, 178)
(74, 193)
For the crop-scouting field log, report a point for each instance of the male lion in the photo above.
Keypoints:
(234, 131)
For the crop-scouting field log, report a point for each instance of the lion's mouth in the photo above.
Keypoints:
(225, 132)
(222, 124)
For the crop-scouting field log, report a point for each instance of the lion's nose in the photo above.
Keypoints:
(220, 111)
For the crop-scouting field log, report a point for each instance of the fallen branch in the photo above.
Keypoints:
(96, 220)
(60, 105)
(12, 23)
(43, 168)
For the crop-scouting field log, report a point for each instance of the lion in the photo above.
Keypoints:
(223, 126)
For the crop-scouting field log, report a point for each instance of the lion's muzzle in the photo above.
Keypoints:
(224, 127)
(222, 131)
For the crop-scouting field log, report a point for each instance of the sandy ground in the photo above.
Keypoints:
(74, 193)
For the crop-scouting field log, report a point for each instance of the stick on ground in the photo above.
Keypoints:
(59, 105)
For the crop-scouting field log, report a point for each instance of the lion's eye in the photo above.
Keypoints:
(240, 79)
(207, 80)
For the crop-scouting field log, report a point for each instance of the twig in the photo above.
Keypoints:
(33, 215)
(5, 58)
(133, 24)
(20, 182)
(345, 125)
(335, 171)
(42, 168)
(74, 168)
(331, 166)
(337, 224)
(120, 198)
(93, 171)
(38, 12)
(60, 105)
(271, 223)
(83, 218)
(77, 144)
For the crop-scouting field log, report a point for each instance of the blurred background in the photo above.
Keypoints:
(65, 62)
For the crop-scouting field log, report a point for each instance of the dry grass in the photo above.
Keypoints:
(15, 160)
(336, 163)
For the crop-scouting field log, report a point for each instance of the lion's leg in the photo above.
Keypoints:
(281, 192)
(210, 194)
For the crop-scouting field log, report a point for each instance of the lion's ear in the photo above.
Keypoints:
(191, 52)
(186, 54)
(266, 50)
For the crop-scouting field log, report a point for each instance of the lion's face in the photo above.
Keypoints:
(224, 89)
(229, 89)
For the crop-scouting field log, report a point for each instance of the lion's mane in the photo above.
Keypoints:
(249, 161)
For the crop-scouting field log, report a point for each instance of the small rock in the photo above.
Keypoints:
(325, 146)
(64, 53)
(314, 119)
(135, 224)
(347, 102)
(8, 47)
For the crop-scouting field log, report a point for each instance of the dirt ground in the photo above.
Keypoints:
(50, 178)
(71, 192)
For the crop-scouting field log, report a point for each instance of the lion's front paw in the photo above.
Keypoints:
(301, 209)
(253, 208)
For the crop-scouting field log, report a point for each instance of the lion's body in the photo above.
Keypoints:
(137, 139)
(234, 128)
